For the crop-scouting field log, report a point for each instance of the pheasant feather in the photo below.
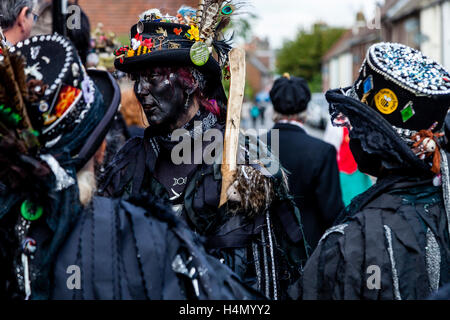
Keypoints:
(208, 17)
(13, 88)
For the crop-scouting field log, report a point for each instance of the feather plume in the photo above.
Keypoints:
(13, 90)
(208, 17)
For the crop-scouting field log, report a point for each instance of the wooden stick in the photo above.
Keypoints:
(235, 100)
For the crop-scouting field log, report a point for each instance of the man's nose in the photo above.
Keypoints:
(140, 89)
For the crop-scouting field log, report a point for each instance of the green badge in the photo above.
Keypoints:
(199, 54)
(408, 112)
(31, 212)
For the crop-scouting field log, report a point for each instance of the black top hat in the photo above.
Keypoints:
(408, 89)
(190, 39)
(399, 98)
(290, 95)
(70, 108)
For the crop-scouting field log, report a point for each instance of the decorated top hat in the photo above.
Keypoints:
(405, 87)
(192, 38)
(396, 108)
(68, 108)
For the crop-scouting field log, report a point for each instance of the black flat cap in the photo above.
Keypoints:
(290, 95)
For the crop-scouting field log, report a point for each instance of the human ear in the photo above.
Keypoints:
(22, 19)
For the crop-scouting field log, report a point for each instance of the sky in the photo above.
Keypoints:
(281, 19)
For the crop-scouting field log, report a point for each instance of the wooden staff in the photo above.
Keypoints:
(235, 100)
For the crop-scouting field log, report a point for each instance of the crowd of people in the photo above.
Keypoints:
(95, 204)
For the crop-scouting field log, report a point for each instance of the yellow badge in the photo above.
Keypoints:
(386, 101)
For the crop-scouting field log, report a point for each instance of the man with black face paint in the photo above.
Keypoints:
(165, 102)
(258, 232)
(392, 242)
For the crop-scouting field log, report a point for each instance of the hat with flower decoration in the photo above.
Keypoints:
(191, 38)
(396, 107)
(53, 117)
(64, 106)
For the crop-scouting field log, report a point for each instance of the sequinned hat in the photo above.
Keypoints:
(192, 38)
(67, 107)
(396, 108)
(405, 87)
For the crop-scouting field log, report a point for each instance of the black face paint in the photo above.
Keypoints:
(162, 98)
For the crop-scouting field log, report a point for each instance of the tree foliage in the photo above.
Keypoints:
(302, 57)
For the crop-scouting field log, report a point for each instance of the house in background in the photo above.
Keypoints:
(340, 65)
(421, 24)
(260, 65)
(119, 15)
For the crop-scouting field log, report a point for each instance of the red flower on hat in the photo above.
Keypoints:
(177, 31)
(138, 37)
(148, 43)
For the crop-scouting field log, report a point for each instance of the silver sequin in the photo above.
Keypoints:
(274, 277)
(446, 185)
(257, 265)
(395, 282)
(336, 229)
(63, 180)
(179, 267)
(266, 267)
(433, 258)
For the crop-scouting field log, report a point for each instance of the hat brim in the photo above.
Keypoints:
(111, 98)
(360, 114)
(169, 58)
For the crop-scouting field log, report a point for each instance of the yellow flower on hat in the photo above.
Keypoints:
(194, 33)
(130, 53)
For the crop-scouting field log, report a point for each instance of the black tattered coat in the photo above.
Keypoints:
(267, 251)
(401, 234)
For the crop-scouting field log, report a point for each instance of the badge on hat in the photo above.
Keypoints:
(199, 53)
(408, 111)
(386, 101)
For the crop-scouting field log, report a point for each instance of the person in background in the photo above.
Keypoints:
(16, 20)
(49, 211)
(353, 181)
(80, 37)
(254, 114)
(257, 232)
(132, 113)
(310, 162)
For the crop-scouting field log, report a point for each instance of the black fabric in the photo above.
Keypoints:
(60, 212)
(411, 207)
(290, 95)
(127, 252)
(313, 178)
(60, 209)
(443, 294)
(229, 238)
(110, 92)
